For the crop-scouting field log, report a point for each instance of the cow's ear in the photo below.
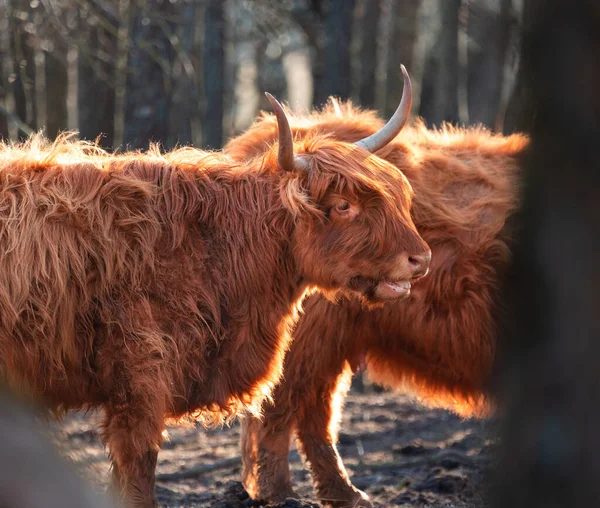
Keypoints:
(296, 196)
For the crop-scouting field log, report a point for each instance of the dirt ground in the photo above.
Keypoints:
(400, 453)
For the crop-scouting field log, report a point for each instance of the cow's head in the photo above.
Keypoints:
(354, 228)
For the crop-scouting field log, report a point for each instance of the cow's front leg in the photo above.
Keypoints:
(265, 449)
(317, 437)
(132, 370)
(134, 444)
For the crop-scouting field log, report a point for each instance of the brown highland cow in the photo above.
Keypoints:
(439, 344)
(160, 286)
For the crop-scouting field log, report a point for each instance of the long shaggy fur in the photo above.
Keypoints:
(440, 343)
(165, 284)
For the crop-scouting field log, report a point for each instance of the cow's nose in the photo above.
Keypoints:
(419, 263)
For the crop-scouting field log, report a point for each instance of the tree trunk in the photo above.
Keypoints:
(549, 384)
(56, 89)
(185, 91)
(439, 88)
(96, 79)
(23, 52)
(6, 69)
(368, 20)
(521, 108)
(213, 60)
(310, 17)
(150, 64)
(402, 41)
(338, 35)
(271, 75)
(488, 31)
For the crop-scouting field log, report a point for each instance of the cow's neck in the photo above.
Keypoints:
(250, 248)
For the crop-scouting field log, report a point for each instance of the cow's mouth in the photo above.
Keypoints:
(387, 290)
(380, 290)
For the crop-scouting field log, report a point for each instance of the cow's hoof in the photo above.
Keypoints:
(361, 500)
(355, 499)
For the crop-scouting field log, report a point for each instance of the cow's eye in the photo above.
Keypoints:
(342, 206)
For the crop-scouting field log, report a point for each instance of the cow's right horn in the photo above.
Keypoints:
(391, 129)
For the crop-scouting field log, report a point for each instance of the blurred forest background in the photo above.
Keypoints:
(194, 71)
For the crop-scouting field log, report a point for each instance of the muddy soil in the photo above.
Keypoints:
(400, 453)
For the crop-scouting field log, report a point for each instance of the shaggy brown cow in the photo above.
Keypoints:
(164, 285)
(439, 344)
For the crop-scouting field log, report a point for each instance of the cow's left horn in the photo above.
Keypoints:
(286, 141)
(391, 129)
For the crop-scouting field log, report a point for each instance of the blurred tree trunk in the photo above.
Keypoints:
(246, 91)
(5, 72)
(439, 88)
(55, 63)
(23, 86)
(150, 64)
(214, 73)
(271, 73)
(403, 36)
(247, 95)
(338, 34)
(196, 57)
(310, 16)
(550, 441)
(368, 20)
(96, 78)
(185, 91)
(521, 108)
(12, 85)
(488, 29)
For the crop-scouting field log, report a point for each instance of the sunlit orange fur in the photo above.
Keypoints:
(440, 343)
(164, 285)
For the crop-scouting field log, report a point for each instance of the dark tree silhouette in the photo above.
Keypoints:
(96, 76)
(549, 368)
(368, 22)
(184, 106)
(23, 55)
(214, 73)
(57, 83)
(310, 15)
(488, 29)
(149, 74)
(401, 48)
(439, 89)
(338, 34)
(521, 108)
(6, 69)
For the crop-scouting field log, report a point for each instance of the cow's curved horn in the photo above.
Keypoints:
(286, 141)
(391, 129)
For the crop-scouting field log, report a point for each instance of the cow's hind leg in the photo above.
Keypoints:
(317, 435)
(265, 449)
